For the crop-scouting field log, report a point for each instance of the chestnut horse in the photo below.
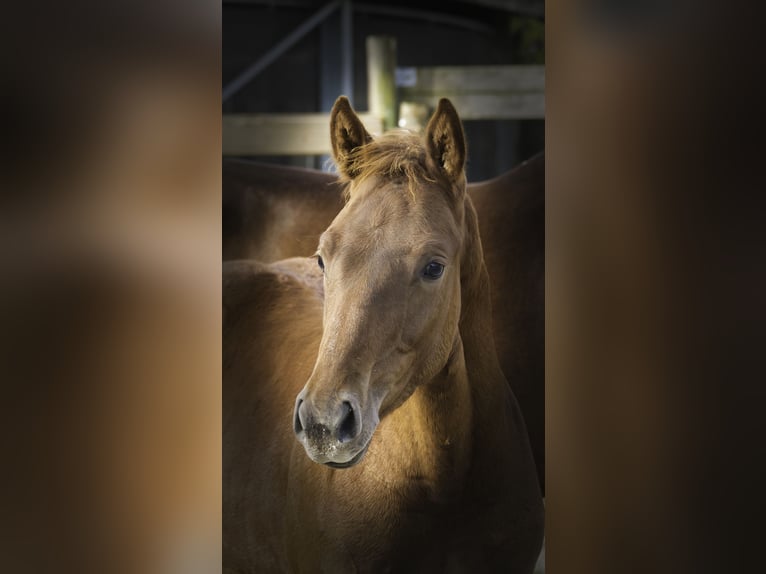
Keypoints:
(411, 452)
(273, 212)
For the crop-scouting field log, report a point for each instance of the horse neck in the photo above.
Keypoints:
(444, 413)
(475, 328)
(501, 450)
(490, 392)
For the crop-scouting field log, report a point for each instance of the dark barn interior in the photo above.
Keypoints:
(298, 56)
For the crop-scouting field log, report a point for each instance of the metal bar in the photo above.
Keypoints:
(347, 50)
(526, 7)
(271, 3)
(281, 47)
(330, 72)
(427, 15)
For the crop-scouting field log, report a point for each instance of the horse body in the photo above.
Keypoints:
(412, 453)
(273, 213)
(511, 211)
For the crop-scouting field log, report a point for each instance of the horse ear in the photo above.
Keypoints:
(347, 132)
(445, 141)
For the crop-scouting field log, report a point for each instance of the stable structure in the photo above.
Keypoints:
(397, 96)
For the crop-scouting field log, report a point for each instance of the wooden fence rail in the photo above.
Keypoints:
(478, 93)
(282, 134)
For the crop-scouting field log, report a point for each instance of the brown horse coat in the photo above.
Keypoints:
(448, 483)
(273, 212)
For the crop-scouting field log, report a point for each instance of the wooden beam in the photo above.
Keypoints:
(478, 92)
(282, 134)
(475, 78)
(487, 106)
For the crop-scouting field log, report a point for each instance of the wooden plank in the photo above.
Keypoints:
(473, 78)
(486, 106)
(478, 92)
(282, 134)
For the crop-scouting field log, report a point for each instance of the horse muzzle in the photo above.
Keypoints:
(331, 435)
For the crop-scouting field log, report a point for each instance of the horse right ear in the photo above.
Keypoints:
(445, 141)
(347, 132)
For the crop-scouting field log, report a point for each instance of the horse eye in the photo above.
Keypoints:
(320, 262)
(433, 270)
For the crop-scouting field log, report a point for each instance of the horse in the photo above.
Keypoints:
(368, 426)
(274, 212)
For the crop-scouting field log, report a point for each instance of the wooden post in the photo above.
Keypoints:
(381, 79)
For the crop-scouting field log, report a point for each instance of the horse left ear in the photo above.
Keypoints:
(445, 141)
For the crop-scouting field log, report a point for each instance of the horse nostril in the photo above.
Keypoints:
(297, 425)
(348, 428)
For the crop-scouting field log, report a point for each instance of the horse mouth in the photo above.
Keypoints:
(357, 458)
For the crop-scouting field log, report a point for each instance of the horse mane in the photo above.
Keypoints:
(395, 154)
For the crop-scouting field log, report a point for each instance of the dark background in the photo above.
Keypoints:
(451, 33)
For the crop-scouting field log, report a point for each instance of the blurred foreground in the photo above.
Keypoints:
(654, 288)
(110, 292)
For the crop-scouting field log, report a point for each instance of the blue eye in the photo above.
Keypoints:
(433, 270)
(320, 262)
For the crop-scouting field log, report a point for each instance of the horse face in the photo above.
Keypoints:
(392, 280)
(392, 306)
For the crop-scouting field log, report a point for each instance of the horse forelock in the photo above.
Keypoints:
(396, 154)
